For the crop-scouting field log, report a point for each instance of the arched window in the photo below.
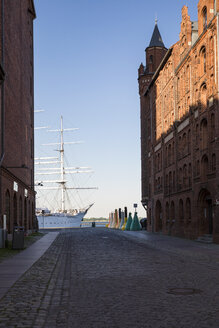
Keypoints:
(188, 210)
(172, 212)
(202, 55)
(178, 90)
(159, 186)
(8, 210)
(181, 212)
(185, 176)
(211, 52)
(204, 17)
(167, 182)
(187, 80)
(204, 167)
(174, 181)
(203, 97)
(151, 59)
(213, 162)
(204, 133)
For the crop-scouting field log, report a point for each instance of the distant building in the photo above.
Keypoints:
(178, 91)
(17, 196)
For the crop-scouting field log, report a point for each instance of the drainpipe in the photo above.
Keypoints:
(218, 53)
(2, 87)
(2, 106)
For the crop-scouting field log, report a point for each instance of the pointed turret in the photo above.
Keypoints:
(155, 51)
(154, 55)
(156, 39)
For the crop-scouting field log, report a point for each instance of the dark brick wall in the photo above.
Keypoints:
(19, 102)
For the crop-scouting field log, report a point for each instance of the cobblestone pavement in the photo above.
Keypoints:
(99, 278)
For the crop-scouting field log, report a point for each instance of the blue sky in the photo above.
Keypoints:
(87, 53)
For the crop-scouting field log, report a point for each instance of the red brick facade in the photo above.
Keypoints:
(180, 130)
(17, 169)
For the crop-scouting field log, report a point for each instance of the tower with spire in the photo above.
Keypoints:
(154, 55)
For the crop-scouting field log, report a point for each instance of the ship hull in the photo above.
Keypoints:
(60, 222)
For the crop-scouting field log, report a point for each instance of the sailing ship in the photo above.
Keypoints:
(62, 217)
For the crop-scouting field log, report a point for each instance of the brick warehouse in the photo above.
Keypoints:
(17, 114)
(178, 90)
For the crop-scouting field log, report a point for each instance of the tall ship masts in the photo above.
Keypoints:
(61, 170)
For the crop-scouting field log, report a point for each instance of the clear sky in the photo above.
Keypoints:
(87, 53)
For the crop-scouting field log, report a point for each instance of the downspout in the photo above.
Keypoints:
(2, 112)
(217, 54)
(2, 89)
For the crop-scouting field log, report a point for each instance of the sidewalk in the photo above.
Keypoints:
(13, 268)
(183, 247)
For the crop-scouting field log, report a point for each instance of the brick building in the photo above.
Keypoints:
(178, 90)
(17, 113)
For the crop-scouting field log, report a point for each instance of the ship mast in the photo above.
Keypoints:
(61, 170)
(62, 182)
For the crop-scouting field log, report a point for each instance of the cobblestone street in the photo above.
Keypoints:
(104, 278)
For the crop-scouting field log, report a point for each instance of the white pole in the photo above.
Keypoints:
(62, 167)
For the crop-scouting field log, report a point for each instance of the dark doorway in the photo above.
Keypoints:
(158, 216)
(205, 212)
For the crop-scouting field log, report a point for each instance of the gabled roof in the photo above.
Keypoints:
(156, 40)
(32, 8)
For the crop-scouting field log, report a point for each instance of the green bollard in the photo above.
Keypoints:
(129, 222)
(135, 226)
